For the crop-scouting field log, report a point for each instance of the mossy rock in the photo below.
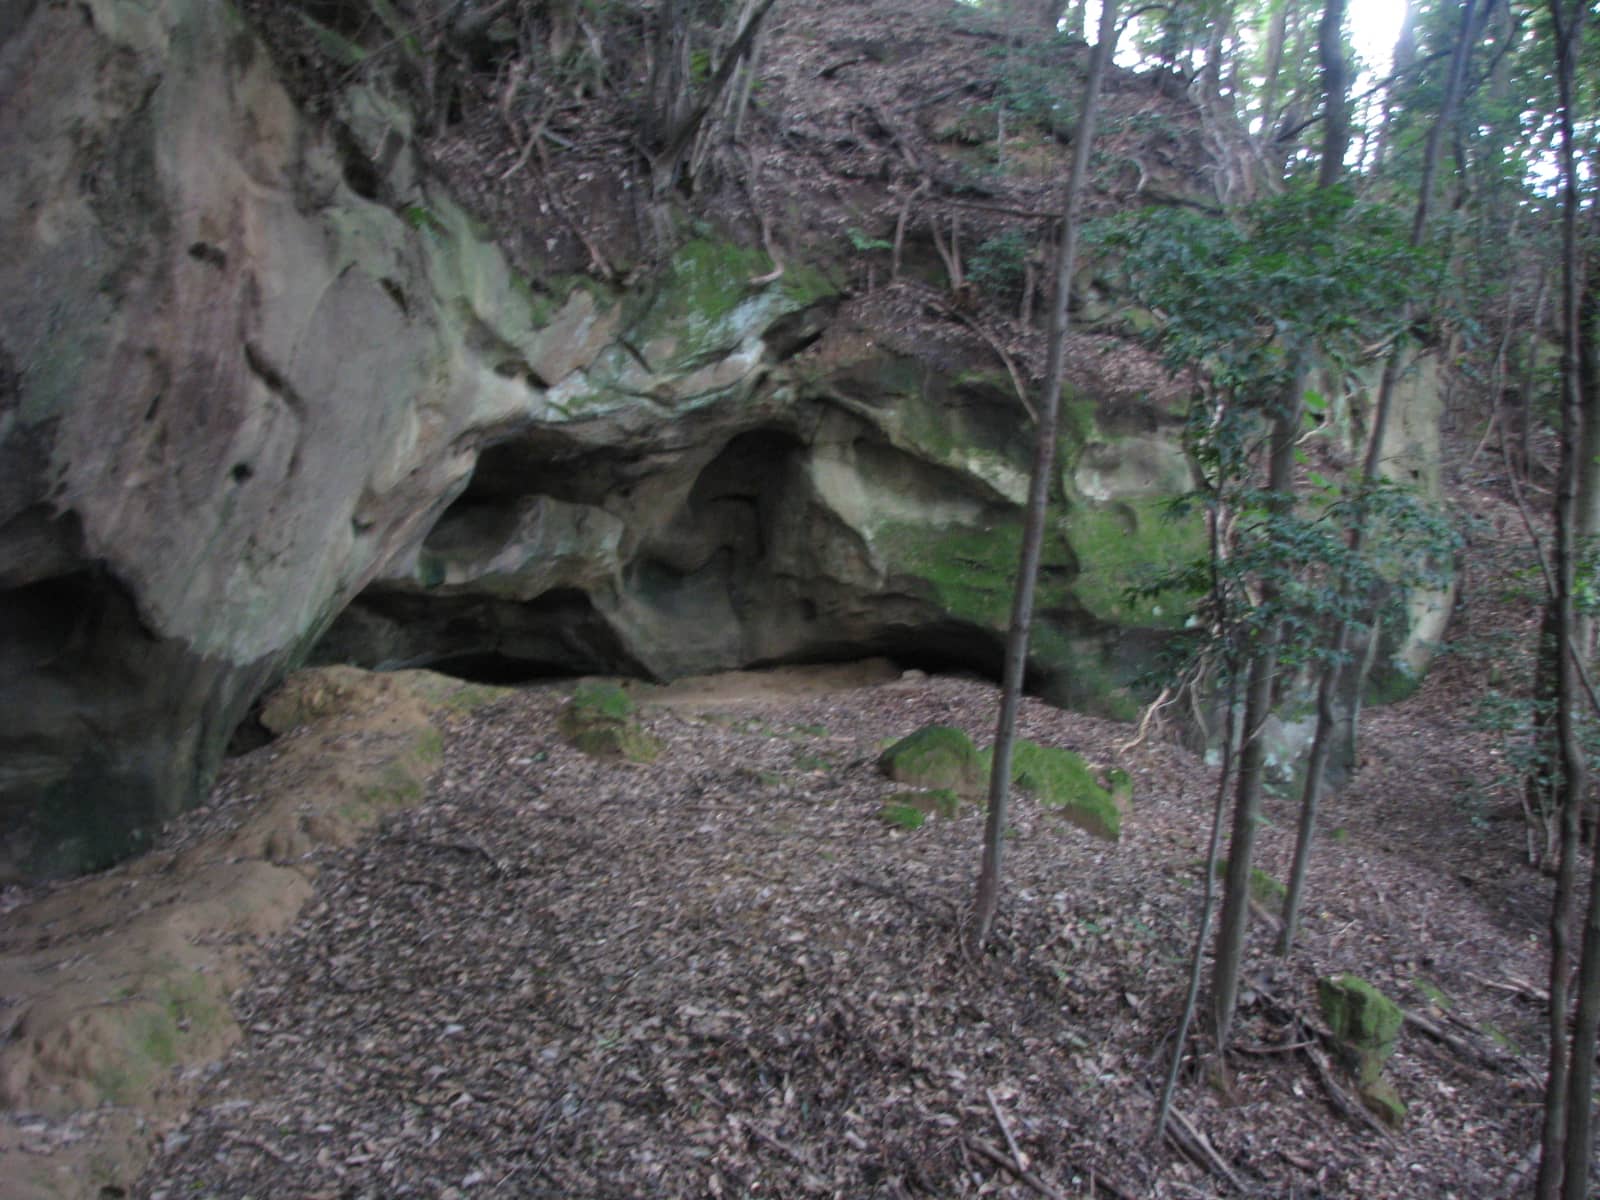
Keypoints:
(1365, 1022)
(1064, 785)
(911, 810)
(598, 720)
(1383, 1102)
(602, 699)
(938, 756)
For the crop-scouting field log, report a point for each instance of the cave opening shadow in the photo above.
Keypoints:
(936, 648)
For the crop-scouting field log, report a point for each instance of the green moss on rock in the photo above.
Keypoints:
(970, 571)
(903, 816)
(598, 720)
(603, 699)
(938, 756)
(1126, 543)
(1064, 784)
(1365, 1021)
(1383, 1102)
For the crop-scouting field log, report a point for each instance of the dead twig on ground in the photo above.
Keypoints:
(1517, 987)
(1348, 1107)
(1194, 1145)
(1000, 1120)
(998, 1156)
(1499, 1062)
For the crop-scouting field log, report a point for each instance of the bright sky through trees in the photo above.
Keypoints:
(1374, 25)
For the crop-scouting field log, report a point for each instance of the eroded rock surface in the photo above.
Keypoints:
(268, 393)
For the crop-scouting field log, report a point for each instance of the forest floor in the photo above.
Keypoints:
(723, 974)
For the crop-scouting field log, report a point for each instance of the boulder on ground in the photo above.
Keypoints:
(599, 720)
(937, 756)
(1064, 785)
(1366, 1024)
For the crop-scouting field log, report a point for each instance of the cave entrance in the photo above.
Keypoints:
(483, 639)
(936, 648)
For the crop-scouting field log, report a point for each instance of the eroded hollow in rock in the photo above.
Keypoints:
(481, 638)
(560, 558)
(938, 648)
(143, 719)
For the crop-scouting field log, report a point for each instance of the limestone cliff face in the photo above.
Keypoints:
(268, 394)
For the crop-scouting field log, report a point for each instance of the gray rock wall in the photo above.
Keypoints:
(267, 392)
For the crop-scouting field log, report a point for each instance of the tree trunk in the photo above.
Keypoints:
(1277, 33)
(669, 72)
(1404, 57)
(1336, 113)
(1587, 520)
(1263, 666)
(1230, 733)
(687, 115)
(1529, 378)
(1566, 1110)
(1234, 924)
(988, 897)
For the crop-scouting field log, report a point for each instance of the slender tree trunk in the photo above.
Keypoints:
(685, 116)
(1075, 14)
(1234, 924)
(669, 73)
(1529, 377)
(1336, 118)
(988, 897)
(1562, 1119)
(1230, 734)
(1330, 684)
(1277, 34)
(1216, 39)
(1587, 519)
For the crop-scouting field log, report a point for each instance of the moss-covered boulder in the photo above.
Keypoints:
(1366, 1025)
(1383, 1102)
(911, 810)
(1065, 786)
(938, 756)
(599, 720)
(1366, 1022)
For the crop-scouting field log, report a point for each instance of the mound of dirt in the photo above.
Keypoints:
(116, 987)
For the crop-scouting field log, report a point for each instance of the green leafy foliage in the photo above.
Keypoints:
(1238, 292)
(863, 241)
(999, 263)
(1249, 297)
(1032, 85)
